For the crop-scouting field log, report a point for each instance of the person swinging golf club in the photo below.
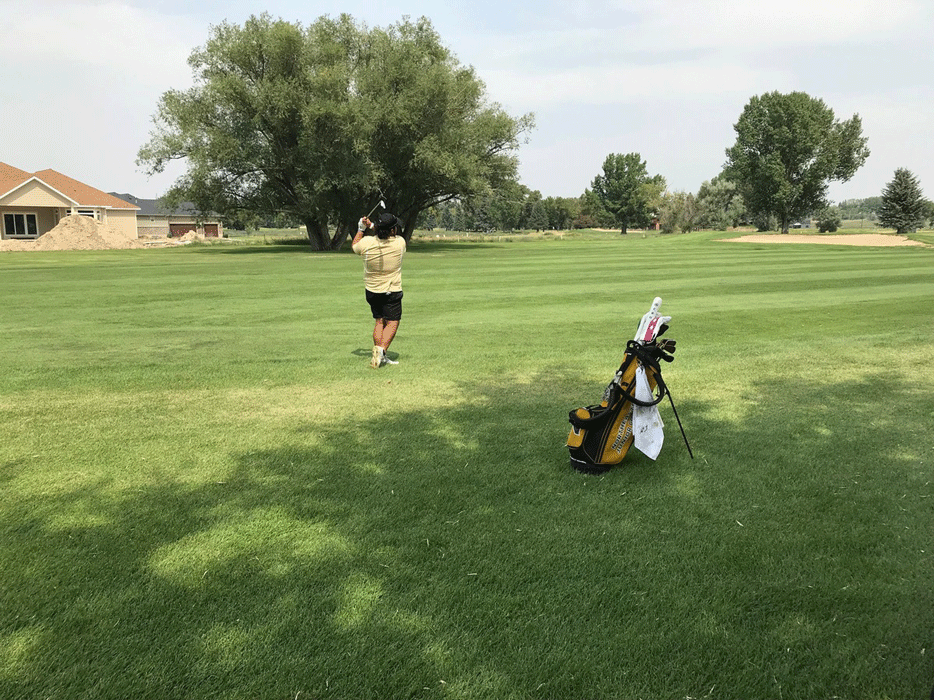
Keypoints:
(382, 276)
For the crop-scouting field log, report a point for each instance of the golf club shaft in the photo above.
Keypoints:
(381, 203)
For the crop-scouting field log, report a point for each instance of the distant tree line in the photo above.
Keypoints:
(516, 208)
(789, 147)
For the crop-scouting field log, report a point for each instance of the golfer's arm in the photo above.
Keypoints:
(356, 239)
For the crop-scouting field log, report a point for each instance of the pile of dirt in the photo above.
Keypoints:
(76, 232)
(192, 236)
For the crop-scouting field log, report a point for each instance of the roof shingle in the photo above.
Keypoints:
(84, 195)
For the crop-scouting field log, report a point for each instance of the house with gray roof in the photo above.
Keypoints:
(155, 220)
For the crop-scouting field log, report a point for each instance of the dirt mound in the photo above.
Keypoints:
(192, 236)
(76, 232)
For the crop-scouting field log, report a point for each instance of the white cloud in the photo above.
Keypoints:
(88, 77)
(666, 78)
(727, 24)
(698, 81)
(114, 37)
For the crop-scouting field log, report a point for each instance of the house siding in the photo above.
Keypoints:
(34, 194)
(162, 226)
(122, 220)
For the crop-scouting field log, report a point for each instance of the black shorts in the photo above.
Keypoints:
(386, 306)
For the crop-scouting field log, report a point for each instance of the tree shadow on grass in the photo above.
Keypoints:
(453, 552)
(423, 246)
(415, 247)
(274, 249)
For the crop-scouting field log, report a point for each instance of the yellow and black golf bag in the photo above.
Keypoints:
(602, 434)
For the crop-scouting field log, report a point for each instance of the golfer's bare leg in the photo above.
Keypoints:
(378, 332)
(389, 332)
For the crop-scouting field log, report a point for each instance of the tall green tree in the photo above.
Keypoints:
(432, 133)
(678, 212)
(788, 149)
(538, 216)
(323, 121)
(561, 212)
(720, 203)
(508, 202)
(627, 191)
(903, 204)
(929, 212)
(591, 213)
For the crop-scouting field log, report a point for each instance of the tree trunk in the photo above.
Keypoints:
(318, 236)
(408, 228)
(342, 234)
(624, 228)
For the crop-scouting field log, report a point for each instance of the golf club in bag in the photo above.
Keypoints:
(602, 434)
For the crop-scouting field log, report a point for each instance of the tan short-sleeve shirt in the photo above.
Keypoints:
(382, 262)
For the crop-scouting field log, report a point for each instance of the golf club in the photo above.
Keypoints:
(380, 203)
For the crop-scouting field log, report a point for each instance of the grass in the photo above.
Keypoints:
(207, 493)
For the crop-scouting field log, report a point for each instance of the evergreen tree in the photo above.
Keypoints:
(902, 203)
(448, 210)
(538, 217)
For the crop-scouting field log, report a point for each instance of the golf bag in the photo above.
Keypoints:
(602, 434)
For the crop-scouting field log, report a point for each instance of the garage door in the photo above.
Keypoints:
(180, 229)
(210, 230)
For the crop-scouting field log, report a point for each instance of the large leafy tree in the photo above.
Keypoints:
(720, 203)
(627, 191)
(788, 149)
(322, 122)
(561, 212)
(591, 213)
(433, 135)
(678, 212)
(903, 205)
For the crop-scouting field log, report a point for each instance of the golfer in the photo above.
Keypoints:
(382, 275)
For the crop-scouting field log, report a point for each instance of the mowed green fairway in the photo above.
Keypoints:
(207, 492)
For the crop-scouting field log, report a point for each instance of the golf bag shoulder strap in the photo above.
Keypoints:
(594, 414)
(648, 356)
(659, 385)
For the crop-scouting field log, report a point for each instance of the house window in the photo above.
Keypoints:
(90, 213)
(20, 226)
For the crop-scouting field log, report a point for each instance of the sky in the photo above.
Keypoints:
(667, 79)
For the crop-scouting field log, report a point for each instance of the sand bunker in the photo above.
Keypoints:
(76, 232)
(870, 239)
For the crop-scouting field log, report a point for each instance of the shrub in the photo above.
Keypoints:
(829, 220)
